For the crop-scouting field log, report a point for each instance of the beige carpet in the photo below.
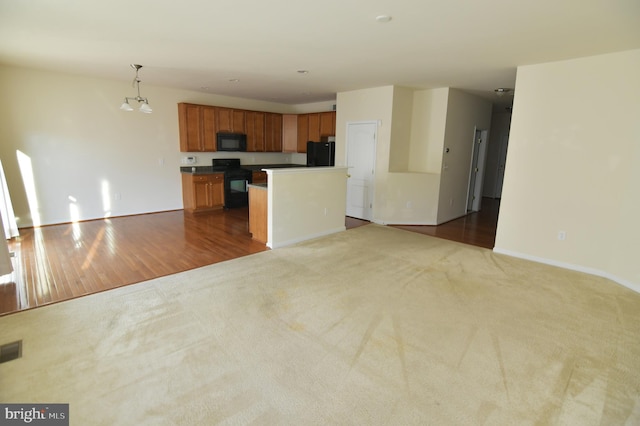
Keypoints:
(372, 326)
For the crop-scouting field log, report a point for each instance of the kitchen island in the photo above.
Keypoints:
(302, 203)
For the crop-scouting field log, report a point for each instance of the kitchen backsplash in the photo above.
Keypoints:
(204, 158)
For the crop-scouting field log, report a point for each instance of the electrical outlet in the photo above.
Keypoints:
(409, 205)
(326, 211)
(117, 196)
(562, 235)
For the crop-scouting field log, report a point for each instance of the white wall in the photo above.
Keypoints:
(400, 147)
(365, 105)
(90, 159)
(374, 104)
(399, 197)
(415, 128)
(573, 165)
(427, 130)
(305, 203)
(465, 114)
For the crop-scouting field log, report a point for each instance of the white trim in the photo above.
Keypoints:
(305, 238)
(592, 271)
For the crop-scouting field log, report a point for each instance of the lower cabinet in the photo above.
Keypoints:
(258, 214)
(202, 193)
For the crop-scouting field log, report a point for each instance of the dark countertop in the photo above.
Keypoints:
(199, 170)
(206, 170)
(258, 167)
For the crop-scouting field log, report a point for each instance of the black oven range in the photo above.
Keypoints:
(236, 181)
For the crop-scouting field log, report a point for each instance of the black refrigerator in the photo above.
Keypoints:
(321, 154)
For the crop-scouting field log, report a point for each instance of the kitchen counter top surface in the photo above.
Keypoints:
(258, 167)
(205, 170)
(199, 170)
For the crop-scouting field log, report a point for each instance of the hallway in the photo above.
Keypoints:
(477, 228)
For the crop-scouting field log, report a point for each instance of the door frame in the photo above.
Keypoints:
(374, 153)
(502, 162)
(481, 150)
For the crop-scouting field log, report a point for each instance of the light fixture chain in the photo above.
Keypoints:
(145, 103)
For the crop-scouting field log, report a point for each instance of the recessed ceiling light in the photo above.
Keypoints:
(303, 72)
(204, 87)
(234, 80)
(383, 18)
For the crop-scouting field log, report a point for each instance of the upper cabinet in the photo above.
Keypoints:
(315, 126)
(230, 120)
(327, 123)
(197, 127)
(255, 128)
(290, 133)
(303, 132)
(273, 132)
(266, 131)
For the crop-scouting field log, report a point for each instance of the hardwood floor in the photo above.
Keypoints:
(478, 228)
(61, 262)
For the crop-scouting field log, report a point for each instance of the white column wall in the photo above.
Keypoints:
(573, 166)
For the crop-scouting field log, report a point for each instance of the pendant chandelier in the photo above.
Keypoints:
(145, 103)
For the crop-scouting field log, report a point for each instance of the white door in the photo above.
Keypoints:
(361, 155)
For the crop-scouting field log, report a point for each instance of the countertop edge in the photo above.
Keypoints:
(291, 170)
(261, 186)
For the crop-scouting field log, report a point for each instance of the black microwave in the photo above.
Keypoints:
(231, 142)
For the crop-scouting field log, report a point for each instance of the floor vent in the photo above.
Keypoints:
(10, 351)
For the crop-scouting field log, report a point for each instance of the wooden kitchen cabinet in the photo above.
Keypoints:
(258, 214)
(327, 123)
(238, 121)
(259, 176)
(202, 193)
(289, 133)
(197, 125)
(273, 132)
(230, 120)
(315, 126)
(266, 131)
(303, 132)
(255, 128)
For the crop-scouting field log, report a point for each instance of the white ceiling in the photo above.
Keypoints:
(201, 45)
